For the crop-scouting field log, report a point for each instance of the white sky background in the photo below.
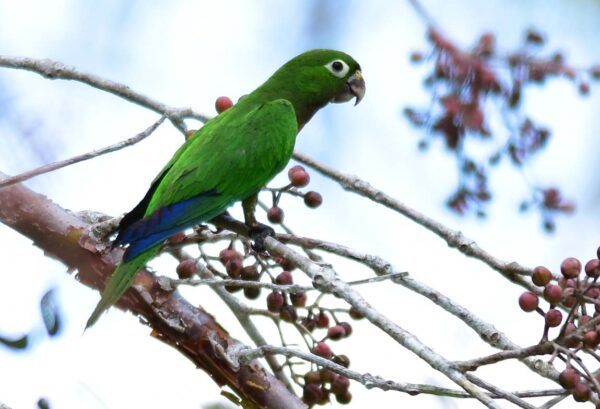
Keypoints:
(188, 53)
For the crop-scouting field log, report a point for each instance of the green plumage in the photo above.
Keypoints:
(230, 158)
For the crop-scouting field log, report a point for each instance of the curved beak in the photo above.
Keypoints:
(354, 88)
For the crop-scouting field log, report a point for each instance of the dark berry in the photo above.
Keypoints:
(553, 293)
(355, 314)
(416, 56)
(284, 278)
(336, 332)
(187, 268)
(528, 301)
(347, 327)
(340, 384)
(541, 276)
(298, 299)
(582, 392)
(223, 104)
(275, 301)
(570, 267)
(250, 273)
(553, 317)
(568, 378)
(275, 215)
(177, 238)
(313, 199)
(327, 375)
(252, 293)
(288, 313)
(312, 393)
(312, 377)
(309, 323)
(342, 360)
(344, 398)
(323, 350)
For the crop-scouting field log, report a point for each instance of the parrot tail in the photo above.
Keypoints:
(119, 282)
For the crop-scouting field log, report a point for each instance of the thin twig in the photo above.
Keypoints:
(80, 158)
(55, 70)
(455, 239)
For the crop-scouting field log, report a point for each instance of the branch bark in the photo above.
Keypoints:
(189, 329)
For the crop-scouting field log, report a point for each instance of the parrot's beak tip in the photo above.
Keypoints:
(357, 86)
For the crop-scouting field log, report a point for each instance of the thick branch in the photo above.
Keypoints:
(173, 320)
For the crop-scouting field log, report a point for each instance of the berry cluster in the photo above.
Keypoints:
(463, 83)
(298, 177)
(577, 293)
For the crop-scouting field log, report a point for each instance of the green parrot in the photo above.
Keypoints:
(230, 159)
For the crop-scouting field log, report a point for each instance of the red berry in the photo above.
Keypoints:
(528, 301)
(570, 267)
(284, 278)
(336, 332)
(288, 313)
(584, 88)
(553, 317)
(323, 350)
(541, 276)
(582, 392)
(553, 293)
(322, 320)
(223, 104)
(176, 238)
(298, 176)
(298, 299)
(275, 301)
(569, 378)
(347, 328)
(592, 268)
(227, 254)
(340, 384)
(187, 268)
(313, 199)
(275, 215)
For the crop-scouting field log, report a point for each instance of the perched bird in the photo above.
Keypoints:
(231, 158)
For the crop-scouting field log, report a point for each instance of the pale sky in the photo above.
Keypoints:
(186, 53)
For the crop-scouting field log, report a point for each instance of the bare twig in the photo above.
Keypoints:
(55, 70)
(455, 239)
(80, 158)
(324, 279)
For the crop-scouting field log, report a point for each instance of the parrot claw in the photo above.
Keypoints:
(258, 232)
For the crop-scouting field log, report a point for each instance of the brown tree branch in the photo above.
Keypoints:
(173, 320)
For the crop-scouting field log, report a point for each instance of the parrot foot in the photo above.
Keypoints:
(258, 232)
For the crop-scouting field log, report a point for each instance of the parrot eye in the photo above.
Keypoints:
(338, 68)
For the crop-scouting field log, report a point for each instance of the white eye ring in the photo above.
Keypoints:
(338, 68)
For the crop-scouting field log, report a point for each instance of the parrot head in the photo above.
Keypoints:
(315, 78)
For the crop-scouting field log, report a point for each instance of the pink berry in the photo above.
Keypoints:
(553, 293)
(323, 350)
(336, 332)
(570, 267)
(298, 176)
(553, 317)
(592, 268)
(284, 278)
(528, 301)
(275, 301)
